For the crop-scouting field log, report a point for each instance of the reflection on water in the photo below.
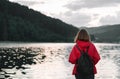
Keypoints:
(50, 61)
(109, 65)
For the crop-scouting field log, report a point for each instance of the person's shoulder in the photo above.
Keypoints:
(74, 45)
(92, 44)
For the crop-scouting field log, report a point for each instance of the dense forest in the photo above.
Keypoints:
(19, 23)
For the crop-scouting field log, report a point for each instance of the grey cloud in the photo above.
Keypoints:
(108, 20)
(78, 4)
(28, 2)
(77, 19)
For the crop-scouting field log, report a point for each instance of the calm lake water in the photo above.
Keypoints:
(51, 61)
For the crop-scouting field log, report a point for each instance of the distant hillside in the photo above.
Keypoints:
(19, 23)
(108, 33)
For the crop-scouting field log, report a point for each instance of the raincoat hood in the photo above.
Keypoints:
(83, 44)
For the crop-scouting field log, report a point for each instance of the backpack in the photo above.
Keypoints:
(84, 63)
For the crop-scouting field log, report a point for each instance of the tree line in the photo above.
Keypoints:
(19, 23)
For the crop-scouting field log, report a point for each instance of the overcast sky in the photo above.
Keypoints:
(90, 13)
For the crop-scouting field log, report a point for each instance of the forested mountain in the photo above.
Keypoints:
(19, 23)
(108, 33)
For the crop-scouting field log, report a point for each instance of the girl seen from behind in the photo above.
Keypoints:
(82, 40)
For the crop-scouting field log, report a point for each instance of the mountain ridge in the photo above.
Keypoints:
(106, 33)
(19, 23)
(33, 25)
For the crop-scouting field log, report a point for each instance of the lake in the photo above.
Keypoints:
(50, 61)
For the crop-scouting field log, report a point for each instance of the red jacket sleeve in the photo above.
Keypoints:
(73, 56)
(95, 56)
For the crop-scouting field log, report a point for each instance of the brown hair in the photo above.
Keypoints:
(82, 35)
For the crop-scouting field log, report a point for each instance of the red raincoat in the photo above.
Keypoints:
(75, 54)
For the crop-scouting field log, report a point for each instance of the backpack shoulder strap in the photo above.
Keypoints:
(78, 48)
(87, 49)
